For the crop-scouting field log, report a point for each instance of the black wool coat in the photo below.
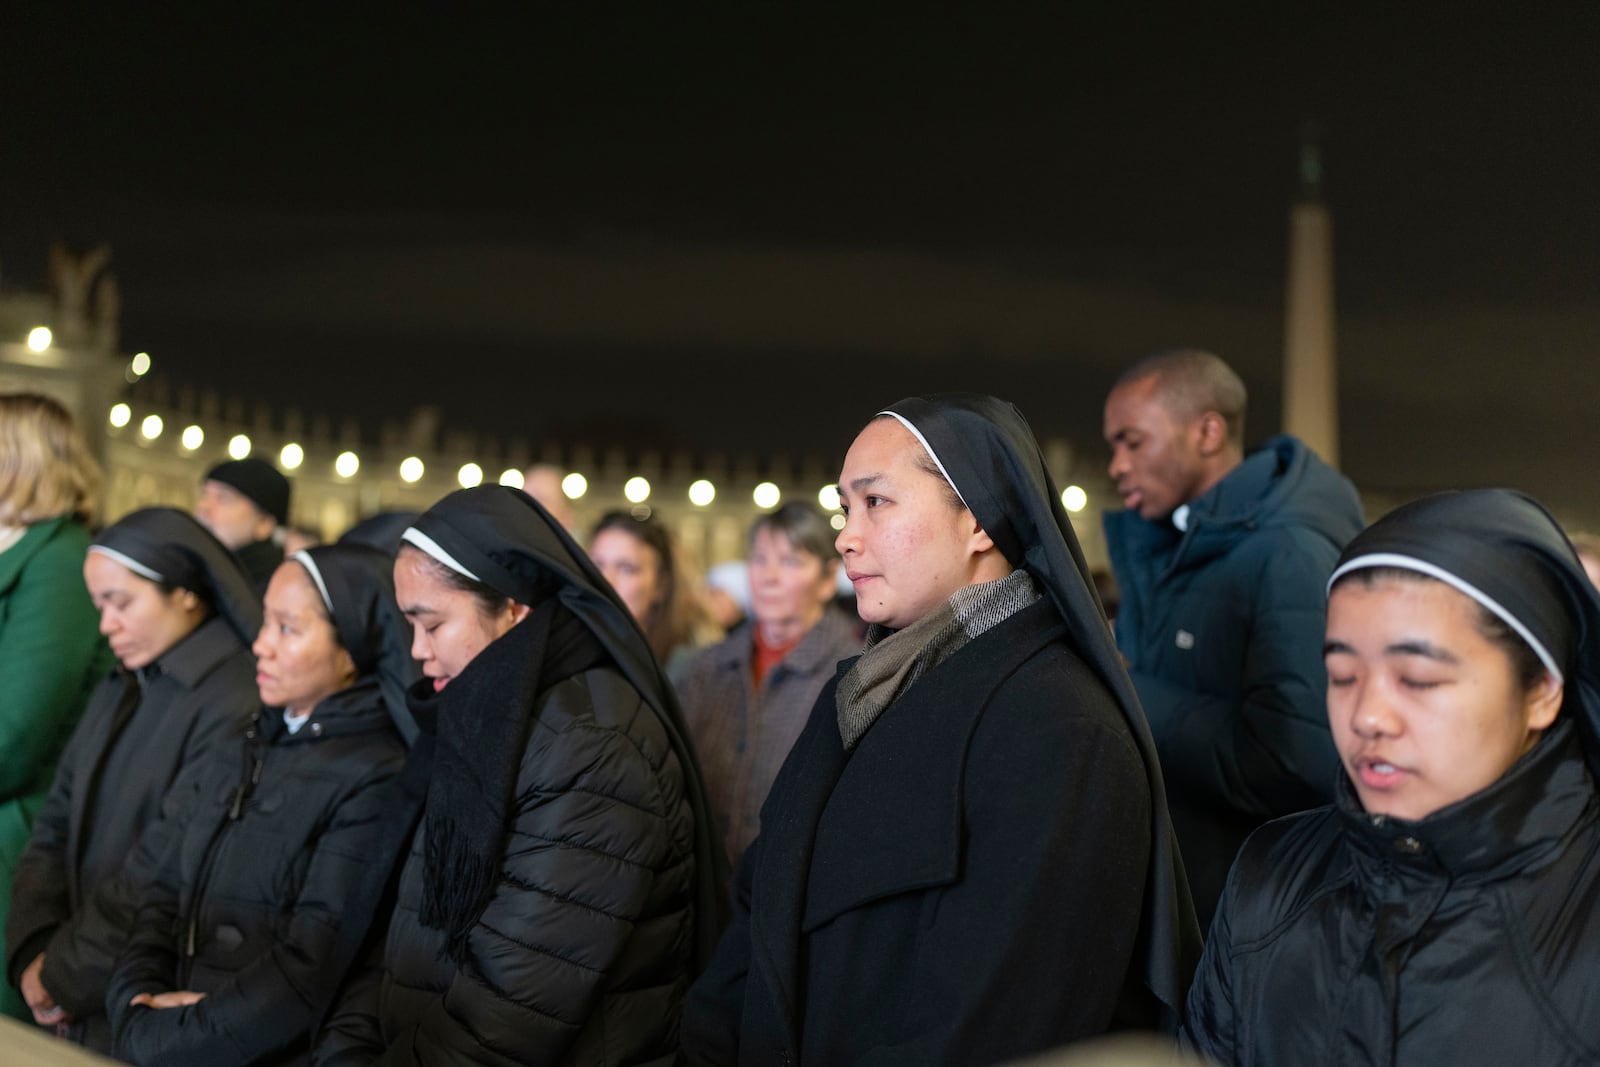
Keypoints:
(965, 887)
(252, 873)
(205, 692)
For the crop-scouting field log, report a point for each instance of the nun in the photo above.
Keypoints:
(179, 614)
(252, 871)
(562, 885)
(1446, 907)
(966, 857)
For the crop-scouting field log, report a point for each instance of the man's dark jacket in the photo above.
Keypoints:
(965, 886)
(1222, 626)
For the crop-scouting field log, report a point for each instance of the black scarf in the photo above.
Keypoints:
(513, 546)
(483, 717)
(992, 459)
(1506, 547)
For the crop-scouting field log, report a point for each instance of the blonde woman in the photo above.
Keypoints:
(51, 652)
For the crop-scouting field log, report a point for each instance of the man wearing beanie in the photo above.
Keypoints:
(245, 503)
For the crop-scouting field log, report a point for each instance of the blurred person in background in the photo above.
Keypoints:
(299, 538)
(179, 614)
(253, 870)
(728, 593)
(641, 561)
(51, 652)
(1221, 558)
(245, 503)
(746, 699)
(542, 481)
(381, 531)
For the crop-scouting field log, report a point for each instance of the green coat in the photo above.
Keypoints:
(51, 657)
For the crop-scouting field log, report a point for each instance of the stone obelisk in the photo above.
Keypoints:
(1310, 369)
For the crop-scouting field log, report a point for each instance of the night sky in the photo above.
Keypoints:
(746, 231)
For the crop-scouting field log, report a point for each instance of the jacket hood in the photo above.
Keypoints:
(1281, 484)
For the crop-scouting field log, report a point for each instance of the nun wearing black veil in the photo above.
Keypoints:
(179, 614)
(1446, 907)
(238, 892)
(562, 885)
(966, 857)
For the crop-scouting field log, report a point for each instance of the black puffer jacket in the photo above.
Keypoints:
(584, 951)
(196, 699)
(256, 865)
(1469, 937)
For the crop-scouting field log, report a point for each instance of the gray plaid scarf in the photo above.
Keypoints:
(893, 659)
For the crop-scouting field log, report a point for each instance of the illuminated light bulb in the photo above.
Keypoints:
(238, 446)
(636, 489)
(151, 427)
(411, 470)
(836, 521)
(292, 456)
(140, 364)
(701, 492)
(470, 475)
(512, 477)
(828, 497)
(766, 495)
(1074, 499)
(193, 437)
(574, 485)
(346, 464)
(121, 415)
(39, 338)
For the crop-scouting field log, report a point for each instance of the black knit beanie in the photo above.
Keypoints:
(258, 480)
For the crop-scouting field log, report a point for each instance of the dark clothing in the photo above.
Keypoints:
(965, 886)
(197, 696)
(1222, 627)
(251, 877)
(260, 560)
(1468, 937)
(742, 731)
(585, 948)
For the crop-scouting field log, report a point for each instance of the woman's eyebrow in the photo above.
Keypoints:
(1419, 647)
(865, 482)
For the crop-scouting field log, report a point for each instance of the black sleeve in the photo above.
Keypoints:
(714, 1008)
(83, 952)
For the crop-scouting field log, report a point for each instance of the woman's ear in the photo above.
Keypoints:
(1543, 702)
(978, 540)
(518, 611)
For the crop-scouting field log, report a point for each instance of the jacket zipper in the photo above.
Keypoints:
(249, 779)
